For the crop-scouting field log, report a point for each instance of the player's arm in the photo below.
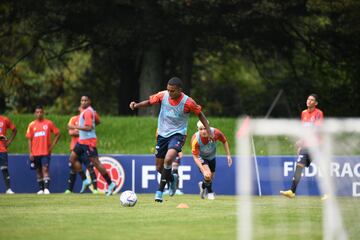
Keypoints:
(204, 121)
(153, 99)
(221, 136)
(228, 154)
(30, 147)
(11, 138)
(88, 126)
(72, 132)
(195, 149)
(56, 132)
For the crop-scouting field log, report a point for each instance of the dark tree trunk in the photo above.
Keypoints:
(151, 76)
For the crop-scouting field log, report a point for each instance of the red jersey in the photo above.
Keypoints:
(313, 118)
(74, 138)
(5, 123)
(39, 133)
(190, 104)
(195, 147)
(88, 121)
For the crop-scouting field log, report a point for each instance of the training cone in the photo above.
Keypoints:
(182, 205)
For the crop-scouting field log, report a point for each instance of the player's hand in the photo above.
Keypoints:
(207, 174)
(211, 137)
(70, 126)
(132, 105)
(229, 159)
(31, 157)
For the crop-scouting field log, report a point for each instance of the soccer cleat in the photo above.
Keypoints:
(211, 196)
(9, 191)
(202, 190)
(288, 193)
(158, 196)
(46, 191)
(324, 197)
(172, 185)
(95, 191)
(179, 192)
(110, 189)
(68, 191)
(85, 184)
(40, 192)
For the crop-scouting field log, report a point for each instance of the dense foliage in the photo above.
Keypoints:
(234, 56)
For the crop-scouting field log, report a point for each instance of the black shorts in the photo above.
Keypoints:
(175, 141)
(210, 163)
(42, 161)
(4, 160)
(84, 153)
(304, 157)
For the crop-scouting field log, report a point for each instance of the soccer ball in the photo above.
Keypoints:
(128, 199)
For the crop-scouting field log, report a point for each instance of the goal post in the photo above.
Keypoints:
(334, 173)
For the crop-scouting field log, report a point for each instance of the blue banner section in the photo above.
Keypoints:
(137, 172)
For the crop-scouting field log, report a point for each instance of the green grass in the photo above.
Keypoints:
(136, 135)
(57, 216)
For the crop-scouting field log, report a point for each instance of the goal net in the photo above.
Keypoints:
(326, 204)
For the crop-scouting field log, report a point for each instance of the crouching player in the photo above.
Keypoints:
(204, 154)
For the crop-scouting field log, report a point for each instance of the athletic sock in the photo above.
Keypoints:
(46, 182)
(82, 175)
(93, 177)
(6, 176)
(296, 178)
(41, 183)
(107, 178)
(166, 176)
(208, 186)
(71, 180)
(175, 171)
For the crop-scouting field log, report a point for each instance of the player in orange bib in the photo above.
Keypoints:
(40, 147)
(310, 117)
(5, 123)
(204, 154)
(74, 133)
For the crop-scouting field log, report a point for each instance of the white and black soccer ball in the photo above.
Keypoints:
(128, 199)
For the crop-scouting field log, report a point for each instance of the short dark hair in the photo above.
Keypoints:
(38, 107)
(175, 81)
(86, 95)
(314, 95)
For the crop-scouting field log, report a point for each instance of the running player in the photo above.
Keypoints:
(5, 123)
(85, 148)
(204, 154)
(40, 147)
(310, 117)
(74, 133)
(172, 128)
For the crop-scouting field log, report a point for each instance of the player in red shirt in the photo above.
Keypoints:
(74, 133)
(310, 117)
(204, 154)
(40, 147)
(172, 129)
(5, 123)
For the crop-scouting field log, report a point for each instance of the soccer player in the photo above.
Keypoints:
(204, 154)
(172, 129)
(5, 123)
(85, 148)
(74, 133)
(40, 147)
(310, 117)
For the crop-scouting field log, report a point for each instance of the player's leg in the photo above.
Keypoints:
(302, 161)
(5, 172)
(159, 163)
(45, 162)
(161, 149)
(92, 174)
(212, 167)
(39, 175)
(175, 170)
(204, 184)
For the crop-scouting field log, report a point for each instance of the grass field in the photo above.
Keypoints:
(58, 216)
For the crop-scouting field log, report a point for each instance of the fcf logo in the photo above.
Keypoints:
(115, 171)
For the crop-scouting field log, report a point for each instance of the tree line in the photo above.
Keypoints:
(234, 56)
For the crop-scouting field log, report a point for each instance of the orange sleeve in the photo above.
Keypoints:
(195, 148)
(53, 128)
(157, 98)
(219, 135)
(88, 117)
(29, 132)
(319, 118)
(192, 106)
(9, 124)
